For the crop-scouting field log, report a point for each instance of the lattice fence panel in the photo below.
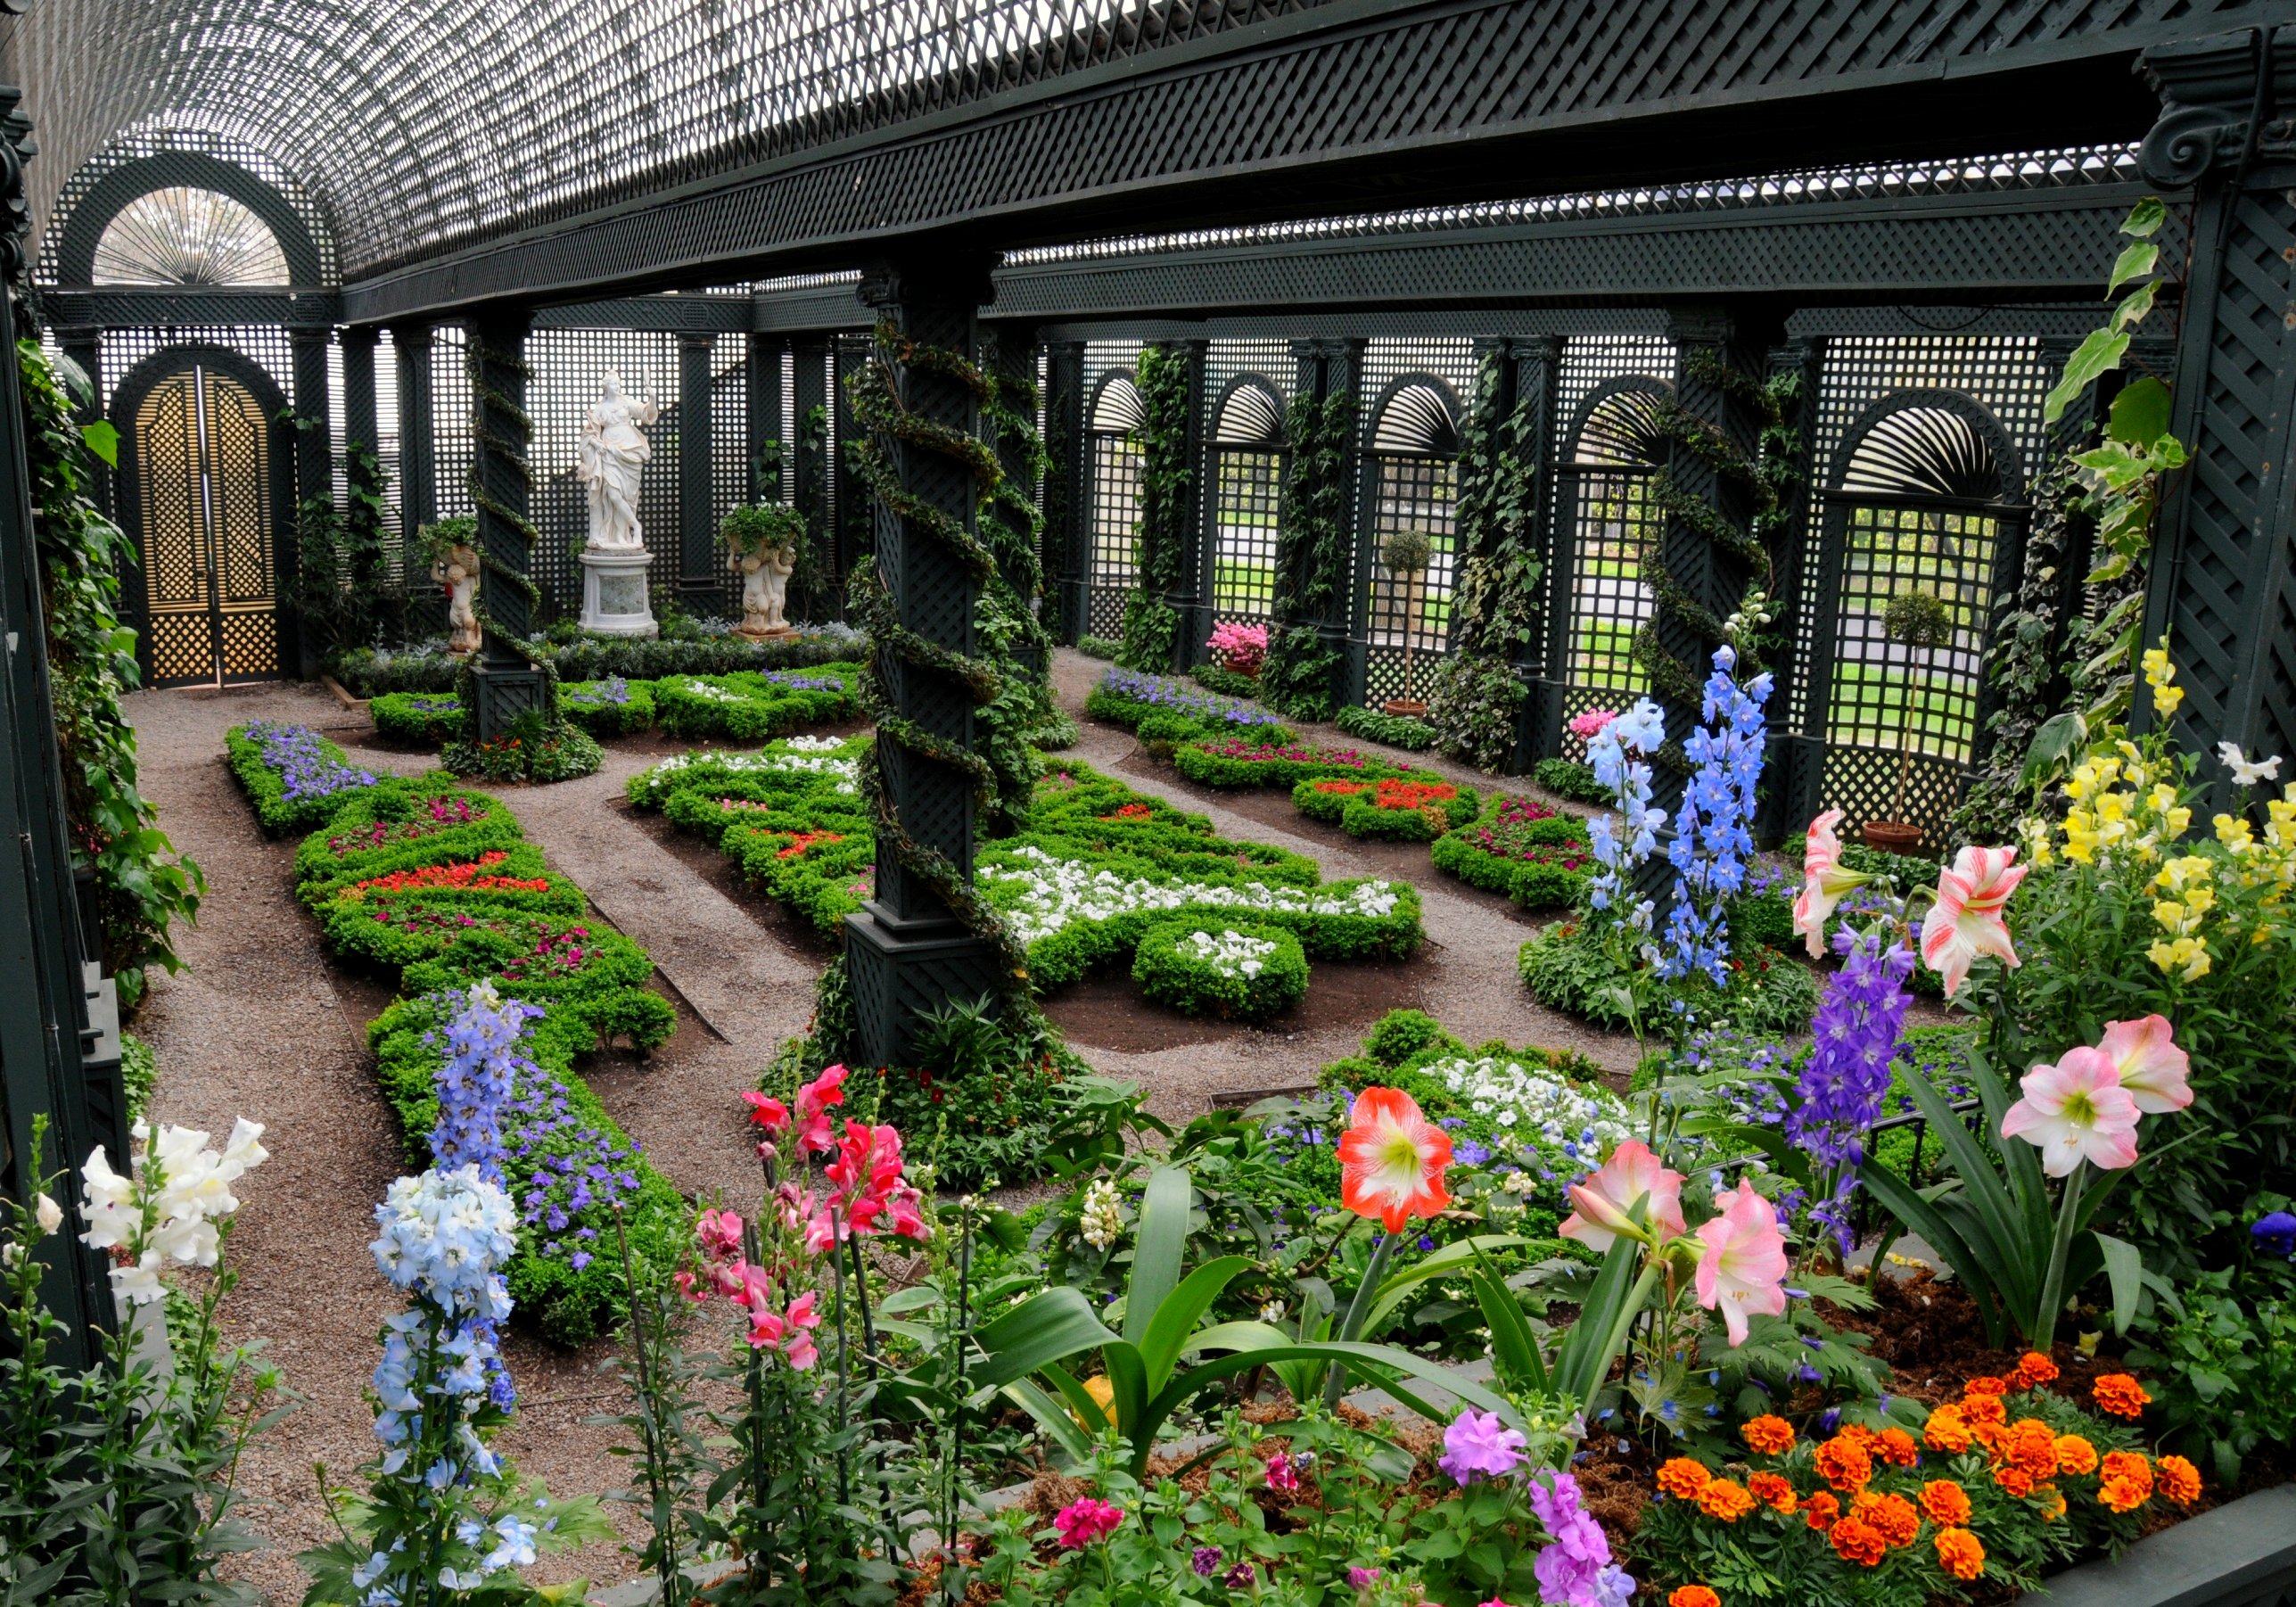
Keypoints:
(123, 349)
(386, 452)
(569, 365)
(2006, 373)
(1245, 499)
(728, 449)
(1413, 492)
(1112, 493)
(450, 421)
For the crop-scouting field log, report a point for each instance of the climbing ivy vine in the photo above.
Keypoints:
(1312, 556)
(1151, 631)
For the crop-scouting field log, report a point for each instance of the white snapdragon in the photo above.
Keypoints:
(1100, 1220)
(1232, 954)
(167, 1208)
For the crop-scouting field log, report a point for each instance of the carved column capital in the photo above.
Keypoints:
(2212, 91)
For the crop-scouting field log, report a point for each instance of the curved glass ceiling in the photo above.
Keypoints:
(421, 124)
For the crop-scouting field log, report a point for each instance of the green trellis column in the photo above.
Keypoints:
(418, 471)
(764, 395)
(509, 683)
(1066, 561)
(1797, 756)
(314, 458)
(1008, 352)
(808, 459)
(2223, 585)
(699, 581)
(1737, 335)
(907, 949)
(1323, 369)
(1189, 599)
(1531, 373)
(85, 348)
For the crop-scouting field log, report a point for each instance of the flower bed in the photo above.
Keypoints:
(1258, 760)
(756, 706)
(611, 707)
(1216, 967)
(428, 667)
(426, 718)
(403, 826)
(295, 777)
(1528, 850)
(1166, 708)
(1400, 809)
(1097, 866)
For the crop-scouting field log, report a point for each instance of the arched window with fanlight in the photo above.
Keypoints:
(1412, 491)
(1610, 523)
(1113, 501)
(1247, 462)
(1924, 510)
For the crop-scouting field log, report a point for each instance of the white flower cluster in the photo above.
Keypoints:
(1100, 1220)
(167, 1212)
(800, 755)
(1537, 1106)
(815, 745)
(703, 690)
(1053, 891)
(1230, 954)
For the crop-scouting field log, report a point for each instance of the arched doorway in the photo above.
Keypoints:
(205, 490)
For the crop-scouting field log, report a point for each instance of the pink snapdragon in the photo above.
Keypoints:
(815, 1132)
(1083, 1523)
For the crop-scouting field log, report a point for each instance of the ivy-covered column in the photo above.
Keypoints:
(1063, 551)
(82, 347)
(1715, 502)
(925, 938)
(765, 477)
(365, 564)
(2223, 585)
(701, 582)
(314, 481)
(1160, 609)
(506, 679)
(1796, 760)
(1014, 526)
(418, 471)
(808, 456)
(1307, 665)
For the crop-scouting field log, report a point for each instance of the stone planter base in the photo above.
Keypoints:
(1403, 708)
(2240, 1555)
(614, 593)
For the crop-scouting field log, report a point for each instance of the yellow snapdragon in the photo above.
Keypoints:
(2160, 675)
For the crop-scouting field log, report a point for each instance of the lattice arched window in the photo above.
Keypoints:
(1613, 447)
(1925, 497)
(185, 236)
(1248, 464)
(1113, 498)
(1412, 486)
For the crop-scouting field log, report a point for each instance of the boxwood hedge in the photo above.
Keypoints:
(1217, 967)
(756, 706)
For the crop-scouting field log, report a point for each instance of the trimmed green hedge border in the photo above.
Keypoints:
(395, 827)
(1253, 760)
(1533, 883)
(583, 703)
(1395, 730)
(430, 719)
(755, 707)
(1169, 972)
(276, 812)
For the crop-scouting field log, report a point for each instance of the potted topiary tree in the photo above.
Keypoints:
(1406, 553)
(1921, 623)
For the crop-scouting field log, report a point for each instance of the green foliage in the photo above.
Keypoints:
(1098, 646)
(420, 717)
(1406, 552)
(1540, 862)
(427, 667)
(1296, 677)
(1568, 968)
(1150, 639)
(139, 1075)
(530, 748)
(1918, 618)
(613, 707)
(756, 705)
(1228, 683)
(1568, 779)
(1312, 556)
(1399, 1035)
(1498, 468)
(756, 528)
(1151, 629)
(1473, 708)
(1201, 968)
(985, 1096)
(2220, 1361)
(1393, 730)
(142, 887)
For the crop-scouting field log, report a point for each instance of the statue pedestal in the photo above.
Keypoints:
(613, 592)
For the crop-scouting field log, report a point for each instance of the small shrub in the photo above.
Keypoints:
(1099, 647)
(1226, 682)
(1568, 779)
(1395, 809)
(528, 750)
(416, 717)
(1528, 850)
(1218, 967)
(1395, 730)
(611, 707)
(756, 706)
(1399, 1035)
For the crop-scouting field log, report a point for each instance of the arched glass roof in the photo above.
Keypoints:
(421, 124)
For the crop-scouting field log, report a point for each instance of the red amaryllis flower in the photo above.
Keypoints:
(1392, 1159)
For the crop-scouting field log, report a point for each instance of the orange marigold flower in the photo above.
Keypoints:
(1947, 1431)
(1945, 1502)
(2056, 1498)
(1981, 1410)
(2130, 1468)
(2120, 1393)
(2122, 1494)
(1725, 1500)
(2179, 1479)
(2075, 1454)
(1843, 1462)
(1769, 1434)
(2015, 1480)
(1987, 1384)
(1859, 1542)
(1898, 1448)
(1773, 1491)
(2033, 1370)
(2030, 1447)
(1960, 1552)
(1821, 1510)
(1897, 1518)
(1693, 1596)
(1682, 1478)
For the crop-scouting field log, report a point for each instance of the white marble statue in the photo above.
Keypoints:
(614, 457)
(457, 571)
(765, 588)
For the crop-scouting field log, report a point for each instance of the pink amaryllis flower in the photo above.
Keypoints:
(1392, 1159)
(2075, 1111)
(1603, 1202)
(1965, 921)
(1825, 883)
(1743, 1268)
(2153, 1068)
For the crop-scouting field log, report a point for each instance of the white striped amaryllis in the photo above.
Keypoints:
(1825, 883)
(1392, 1159)
(1966, 921)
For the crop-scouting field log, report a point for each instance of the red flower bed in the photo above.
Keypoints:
(466, 876)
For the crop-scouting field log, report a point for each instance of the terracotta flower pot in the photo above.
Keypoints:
(1405, 708)
(1891, 836)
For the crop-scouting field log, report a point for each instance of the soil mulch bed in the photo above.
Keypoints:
(1105, 1010)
